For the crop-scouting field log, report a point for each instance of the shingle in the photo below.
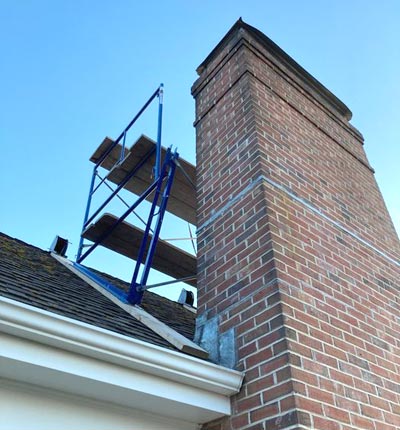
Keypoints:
(30, 275)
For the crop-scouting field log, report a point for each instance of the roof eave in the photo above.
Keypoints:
(90, 356)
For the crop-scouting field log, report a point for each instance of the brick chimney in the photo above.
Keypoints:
(298, 259)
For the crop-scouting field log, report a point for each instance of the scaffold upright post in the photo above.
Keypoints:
(87, 210)
(157, 167)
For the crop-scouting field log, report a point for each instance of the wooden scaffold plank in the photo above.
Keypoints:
(182, 200)
(126, 239)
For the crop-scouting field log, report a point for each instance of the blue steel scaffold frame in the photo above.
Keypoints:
(161, 186)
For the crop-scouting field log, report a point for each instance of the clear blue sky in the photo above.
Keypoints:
(74, 71)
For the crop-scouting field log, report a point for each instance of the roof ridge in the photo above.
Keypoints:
(7, 236)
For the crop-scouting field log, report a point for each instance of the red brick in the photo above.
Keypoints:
(312, 406)
(265, 412)
(362, 422)
(371, 412)
(347, 404)
(260, 384)
(325, 424)
(248, 403)
(340, 415)
(276, 391)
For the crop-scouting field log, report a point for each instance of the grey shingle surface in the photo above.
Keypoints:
(30, 275)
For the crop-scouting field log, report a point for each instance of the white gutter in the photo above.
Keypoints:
(107, 366)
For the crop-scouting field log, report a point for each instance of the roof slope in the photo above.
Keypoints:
(31, 276)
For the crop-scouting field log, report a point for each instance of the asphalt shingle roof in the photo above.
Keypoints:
(30, 275)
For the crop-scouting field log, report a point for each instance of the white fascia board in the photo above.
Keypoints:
(46, 349)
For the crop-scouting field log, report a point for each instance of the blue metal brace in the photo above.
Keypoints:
(166, 178)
